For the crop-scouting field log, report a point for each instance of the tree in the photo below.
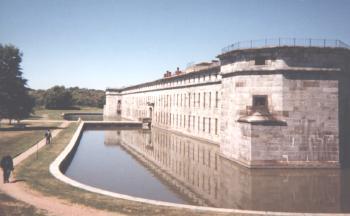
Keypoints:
(58, 97)
(15, 100)
(39, 96)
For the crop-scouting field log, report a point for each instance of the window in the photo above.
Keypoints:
(209, 127)
(216, 99)
(260, 102)
(199, 99)
(189, 121)
(194, 118)
(209, 99)
(198, 124)
(216, 126)
(260, 60)
(185, 100)
(194, 99)
(203, 124)
(204, 98)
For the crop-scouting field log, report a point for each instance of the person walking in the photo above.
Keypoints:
(48, 136)
(7, 167)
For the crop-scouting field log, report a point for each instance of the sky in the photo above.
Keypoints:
(114, 43)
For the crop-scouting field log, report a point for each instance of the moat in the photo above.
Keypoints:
(169, 167)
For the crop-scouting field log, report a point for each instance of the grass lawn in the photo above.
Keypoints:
(36, 174)
(12, 207)
(14, 140)
(45, 114)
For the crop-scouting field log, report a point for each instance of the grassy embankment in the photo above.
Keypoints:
(45, 114)
(36, 174)
(15, 139)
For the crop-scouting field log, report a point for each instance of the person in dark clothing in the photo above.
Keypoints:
(48, 136)
(7, 167)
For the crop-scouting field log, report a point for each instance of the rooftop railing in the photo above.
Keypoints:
(279, 42)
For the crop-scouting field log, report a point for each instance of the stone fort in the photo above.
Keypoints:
(267, 104)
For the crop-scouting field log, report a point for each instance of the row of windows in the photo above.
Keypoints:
(200, 99)
(186, 151)
(180, 81)
(187, 121)
(181, 165)
(183, 159)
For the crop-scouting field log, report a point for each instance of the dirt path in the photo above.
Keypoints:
(54, 206)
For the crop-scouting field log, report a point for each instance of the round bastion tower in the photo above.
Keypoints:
(286, 106)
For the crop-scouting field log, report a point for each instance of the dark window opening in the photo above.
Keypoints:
(259, 60)
(260, 102)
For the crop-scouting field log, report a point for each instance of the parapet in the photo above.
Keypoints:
(314, 56)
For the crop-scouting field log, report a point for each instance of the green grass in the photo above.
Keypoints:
(36, 174)
(12, 207)
(41, 113)
(14, 141)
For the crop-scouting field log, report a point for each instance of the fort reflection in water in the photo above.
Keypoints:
(198, 173)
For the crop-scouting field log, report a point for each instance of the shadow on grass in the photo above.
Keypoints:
(35, 117)
(63, 108)
(17, 180)
(24, 128)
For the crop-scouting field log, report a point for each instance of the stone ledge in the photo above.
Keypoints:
(268, 122)
(277, 164)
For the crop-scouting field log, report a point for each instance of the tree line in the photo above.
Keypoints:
(60, 97)
(17, 101)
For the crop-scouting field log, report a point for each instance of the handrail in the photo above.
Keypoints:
(292, 42)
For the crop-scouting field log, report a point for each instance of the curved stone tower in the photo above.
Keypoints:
(286, 106)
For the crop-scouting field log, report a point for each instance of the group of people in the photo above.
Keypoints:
(7, 161)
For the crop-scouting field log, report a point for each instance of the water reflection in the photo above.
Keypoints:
(196, 171)
(84, 116)
(91, 117)
(111, 168)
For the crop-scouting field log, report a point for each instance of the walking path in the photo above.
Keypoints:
(54, 206)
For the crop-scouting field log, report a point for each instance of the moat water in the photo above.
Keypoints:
(85, 117)
(165, 166)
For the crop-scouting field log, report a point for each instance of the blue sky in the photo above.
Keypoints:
(112, 43)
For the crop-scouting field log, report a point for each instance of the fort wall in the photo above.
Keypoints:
(266, 107)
